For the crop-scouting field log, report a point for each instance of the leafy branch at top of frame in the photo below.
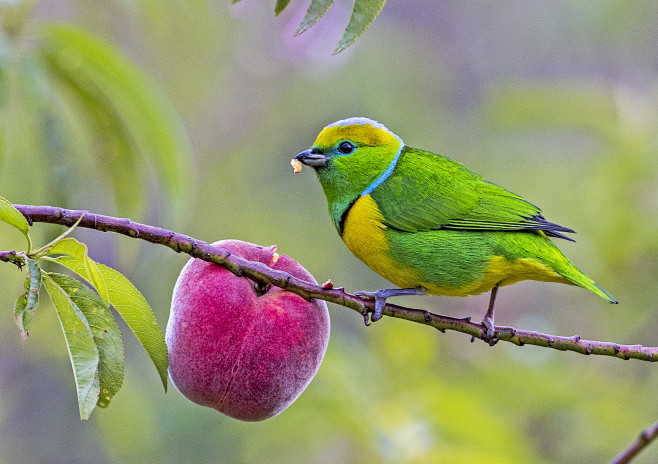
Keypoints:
(364, 12)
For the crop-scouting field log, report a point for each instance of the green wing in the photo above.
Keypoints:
(429, 191)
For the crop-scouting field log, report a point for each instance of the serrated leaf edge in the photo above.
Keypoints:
(94, 387)
(346, 40)
(311, 18)
(160, 367)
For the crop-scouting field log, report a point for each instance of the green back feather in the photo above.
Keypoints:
(429, 192)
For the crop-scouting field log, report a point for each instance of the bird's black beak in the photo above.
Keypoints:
(313, 157)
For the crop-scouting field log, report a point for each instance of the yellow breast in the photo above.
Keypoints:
(364, 233)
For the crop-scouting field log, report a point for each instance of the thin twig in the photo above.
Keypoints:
(262, 273)
(645, 437)
(12, 257)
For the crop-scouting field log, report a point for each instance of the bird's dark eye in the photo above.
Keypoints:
(346, 148)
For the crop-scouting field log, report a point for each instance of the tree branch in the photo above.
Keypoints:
(262, 273)
(645, 437)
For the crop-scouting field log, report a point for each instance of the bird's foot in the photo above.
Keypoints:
(489, 334)
(380, 301)
(380, 297)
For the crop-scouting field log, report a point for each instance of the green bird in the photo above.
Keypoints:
(428, 224)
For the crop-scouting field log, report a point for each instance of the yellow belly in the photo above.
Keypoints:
(364, 234)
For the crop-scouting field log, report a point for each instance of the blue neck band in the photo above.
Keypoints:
(385, 175)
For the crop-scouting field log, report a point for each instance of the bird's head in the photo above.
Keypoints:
(354, 150)
(351, 157)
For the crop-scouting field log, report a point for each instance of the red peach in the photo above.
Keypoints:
(243, 348)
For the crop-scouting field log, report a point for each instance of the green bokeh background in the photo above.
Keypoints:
(555, 100)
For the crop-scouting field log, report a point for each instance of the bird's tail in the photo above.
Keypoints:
(549, 255)
(596, 288)
(575, 276)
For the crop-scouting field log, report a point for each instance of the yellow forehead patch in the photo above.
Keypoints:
(361, 131)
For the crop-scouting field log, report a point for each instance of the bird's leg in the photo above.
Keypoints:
(488, 320)
(381, 295)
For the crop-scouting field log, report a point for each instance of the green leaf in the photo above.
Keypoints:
(19, 313)
(94, 120)
(71, 247)
(132, 102)
(80, 344)
(363, 14)
(35, 284)
(280, 6)
(27, 303)
(13, 217)
(316, 10)
(132, 307)
(105, 332)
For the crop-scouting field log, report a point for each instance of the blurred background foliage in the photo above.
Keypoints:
(558, 101)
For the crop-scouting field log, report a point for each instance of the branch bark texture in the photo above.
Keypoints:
(645, 437)
(262, 273)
